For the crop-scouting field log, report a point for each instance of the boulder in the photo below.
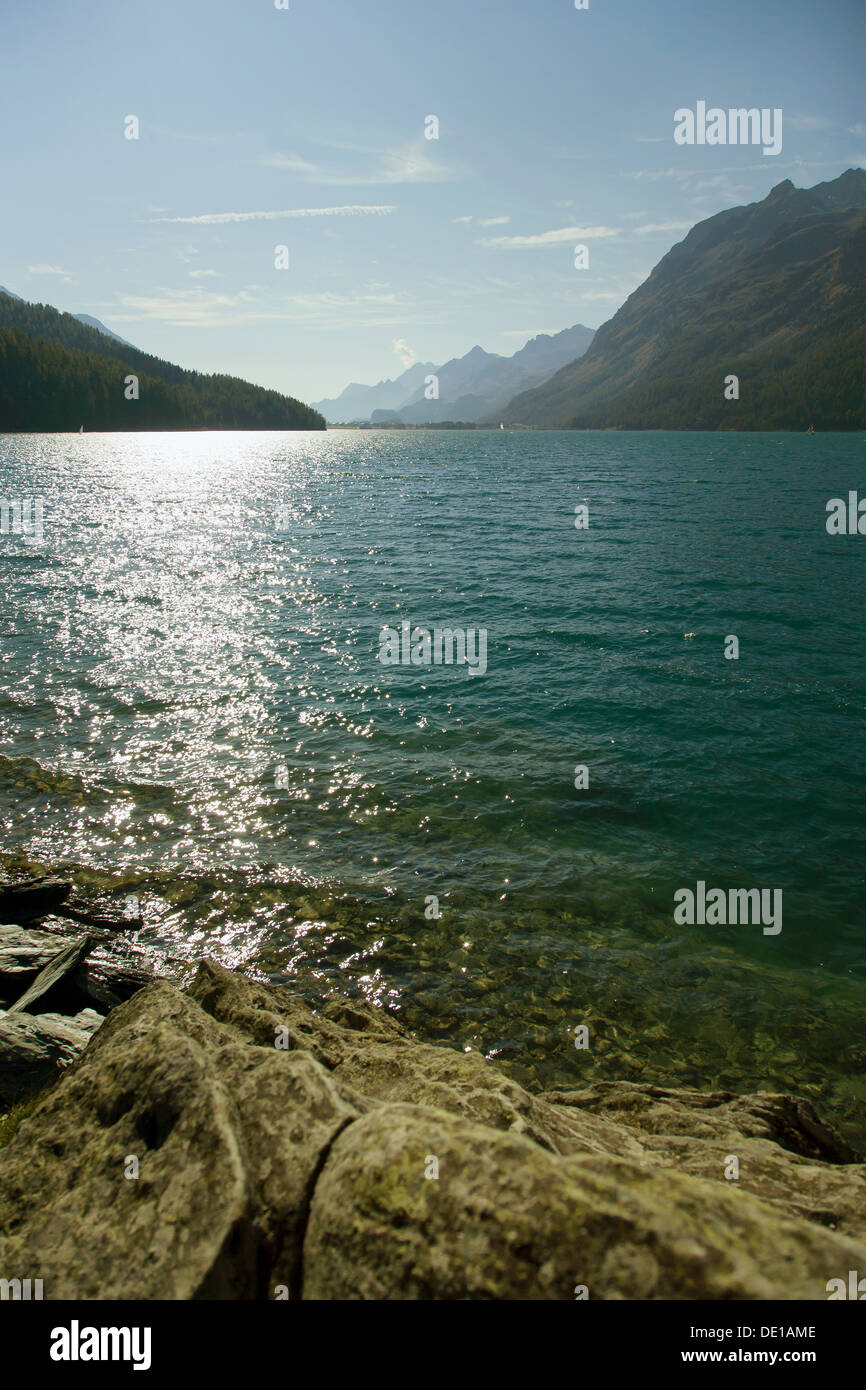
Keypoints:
(24, 952)
(34, 1046)
(27, 902)
(100, 979)
(52, 975)
(498, 1217)
(784, 1153)
(327, 1154)
(227, 1140)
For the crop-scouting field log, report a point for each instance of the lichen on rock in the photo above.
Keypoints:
(330, 1155)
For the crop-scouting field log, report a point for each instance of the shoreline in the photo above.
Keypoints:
(638, 1032)
(360, 1162)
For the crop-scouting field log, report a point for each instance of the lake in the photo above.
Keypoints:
(193, 712)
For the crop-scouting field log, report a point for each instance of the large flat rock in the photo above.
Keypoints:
(102, 979)
(35, 1047)
(227, 1138)
(504, 1219)
(328, 1155)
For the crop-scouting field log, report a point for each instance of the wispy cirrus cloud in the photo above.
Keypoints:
(804, 122)
(218, 218)
(408, 163)
(650, 228)
(292, 163)
(526, 333)
(48, 270)
(675, 172)
(540, 240)
(190, 307)
(483, 221)
(198, 307)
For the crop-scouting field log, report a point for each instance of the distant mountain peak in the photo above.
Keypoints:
(90, 322)
(474, 387)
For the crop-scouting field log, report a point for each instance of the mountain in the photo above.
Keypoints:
(772, 293)
(548, 352)
(100, 328)
(86, 319)
(475, 387)
(57, 373)
(358, 402)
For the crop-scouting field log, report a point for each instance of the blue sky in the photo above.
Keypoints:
(555, 128)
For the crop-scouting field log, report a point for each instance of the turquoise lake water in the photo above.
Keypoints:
(192, 711)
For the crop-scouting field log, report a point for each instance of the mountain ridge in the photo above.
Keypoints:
(90, 322)
(747, 283)
(471, 387)
(58, 373)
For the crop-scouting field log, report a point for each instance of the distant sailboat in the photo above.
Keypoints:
(80, 429)
(811, 429)
(501, 426)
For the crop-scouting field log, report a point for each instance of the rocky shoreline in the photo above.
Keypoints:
(56, 984)
(225, 1141)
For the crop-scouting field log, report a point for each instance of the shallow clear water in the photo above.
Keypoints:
(192, 710)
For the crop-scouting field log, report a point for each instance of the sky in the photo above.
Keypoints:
(305, 128)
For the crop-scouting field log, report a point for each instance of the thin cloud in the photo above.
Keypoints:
(48, 270)
(543, 239)
(493, 221)
(292, 162)
(412, 163)
(403, 351)
(186, 308)
(806, 122)
(216, 218)
(651, 227)
(196, 307)
(720, 183)
(677, 173)
(463, 219)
